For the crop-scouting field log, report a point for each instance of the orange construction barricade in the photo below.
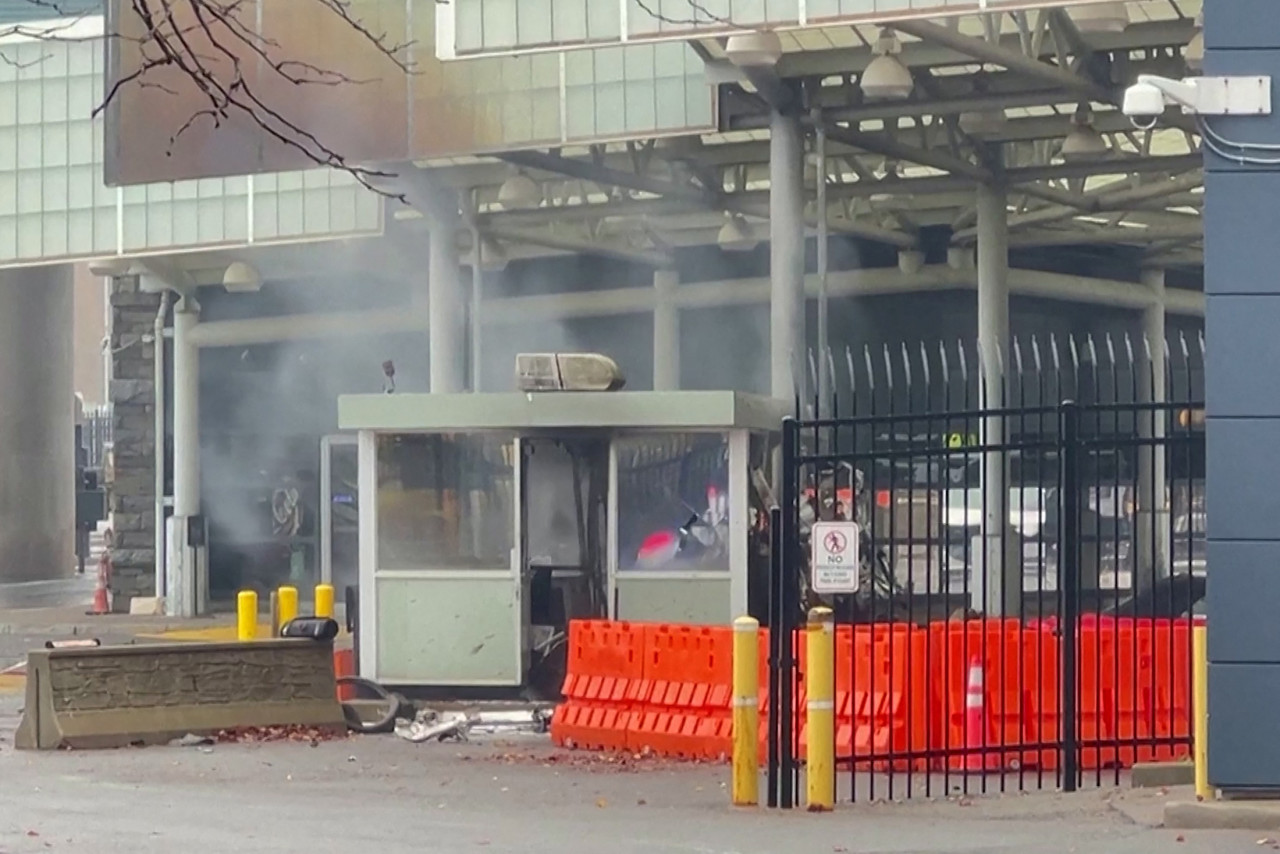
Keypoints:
(601, 686)
(995, 646)
(684, 706)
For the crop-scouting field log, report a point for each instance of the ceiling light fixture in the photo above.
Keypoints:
(241, 278)
(1101, 18)
(736, 235)
(519, 191)
(1083, 142)
(885, 77)
(760, 49)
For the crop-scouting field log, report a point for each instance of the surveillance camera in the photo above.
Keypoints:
(1144, 104)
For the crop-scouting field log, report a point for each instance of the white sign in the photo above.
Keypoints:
(834, 557)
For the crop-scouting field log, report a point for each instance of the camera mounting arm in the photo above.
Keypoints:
(1147, 99)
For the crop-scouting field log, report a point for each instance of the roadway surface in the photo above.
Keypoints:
(377, 793)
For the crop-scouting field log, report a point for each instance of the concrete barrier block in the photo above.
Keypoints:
(115, 696)
(1162, 775)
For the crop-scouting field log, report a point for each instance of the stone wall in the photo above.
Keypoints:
(114, 696)
(151, 675)
(130, 479)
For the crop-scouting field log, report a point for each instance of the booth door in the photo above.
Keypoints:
(447, 602)
(339, 513)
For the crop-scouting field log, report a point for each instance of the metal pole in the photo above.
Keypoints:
(746, 712)
(158, 449)
(666, 331)
(444, 297)
(820, 711)
(1000, 585)
(477, 294)
(1069, 591)
(1200, 678)
(186, 456)
(786, 257)
(824, 331)
(1151, 529)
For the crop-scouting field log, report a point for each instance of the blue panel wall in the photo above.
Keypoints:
(1243, 404)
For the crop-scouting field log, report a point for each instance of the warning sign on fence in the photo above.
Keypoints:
(834, 558)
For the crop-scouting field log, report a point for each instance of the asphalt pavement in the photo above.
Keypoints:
(378, 793)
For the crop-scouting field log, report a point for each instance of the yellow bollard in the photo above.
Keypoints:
(324, 600)
(246, 615)
(287, 604)
(746, 712)
(1200, 708)
(820, 755)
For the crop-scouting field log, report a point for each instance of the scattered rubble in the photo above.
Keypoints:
(258, 735)
(432, 725)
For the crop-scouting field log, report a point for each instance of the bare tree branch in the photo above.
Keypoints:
(215, 48)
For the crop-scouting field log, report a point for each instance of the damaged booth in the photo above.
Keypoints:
(489, 520)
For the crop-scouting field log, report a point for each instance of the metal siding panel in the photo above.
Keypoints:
(1244, 129)
(1235, 24)
(1243, 332)
(1235, 215)
(1243, 727)
(1246, 584)
(1243, 486)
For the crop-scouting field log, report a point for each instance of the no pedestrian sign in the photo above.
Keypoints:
(834, 560)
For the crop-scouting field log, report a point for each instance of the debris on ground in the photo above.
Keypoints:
(430, 725)
(618, 762)
(192, 740)
(257, 735)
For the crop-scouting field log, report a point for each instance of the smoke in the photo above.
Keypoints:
(265, 408)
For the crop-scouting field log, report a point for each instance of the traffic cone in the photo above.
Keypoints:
(976, 760)
(101, 603)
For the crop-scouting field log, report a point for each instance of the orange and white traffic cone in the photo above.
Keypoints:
(977, 759)
(101, 598)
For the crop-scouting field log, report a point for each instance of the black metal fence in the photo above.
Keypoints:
(1030, 563)
(96, 436)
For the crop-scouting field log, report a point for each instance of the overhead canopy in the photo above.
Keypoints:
(515, 412)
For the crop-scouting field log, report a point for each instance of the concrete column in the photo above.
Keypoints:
(186, 411)
(186, 585)
(1151, 534)
(37, 426)
(476, 359)
(786, 257)
(666, 331)
(445, 297)
(997, 585)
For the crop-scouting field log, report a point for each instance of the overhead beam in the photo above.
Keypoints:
(1094, 201)
(587, 171)
(1138, 36)
(1109, 235)
(752, 202)
(887, 145)
(605, 175)
(551, 240)
(1014, 60)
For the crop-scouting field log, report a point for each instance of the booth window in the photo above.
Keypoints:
(444, 502)
(673, 502)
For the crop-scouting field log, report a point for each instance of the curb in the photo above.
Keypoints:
(1223, 815)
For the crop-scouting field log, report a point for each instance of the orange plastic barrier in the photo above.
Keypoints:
(900, 692)
(882, 694)
(998, 646)
(685, 691)
(344, 664)
(602, 684)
